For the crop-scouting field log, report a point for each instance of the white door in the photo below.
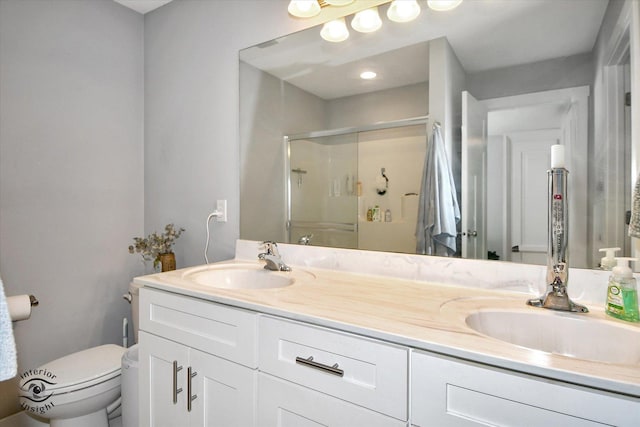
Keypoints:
(530, 161)
(224, 392)
(474, 178)
(158, 407)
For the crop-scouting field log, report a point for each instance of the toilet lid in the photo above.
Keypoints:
(84, 368)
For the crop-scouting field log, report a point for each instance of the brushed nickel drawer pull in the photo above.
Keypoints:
(334, 370)
(176, 390)
(190, 398)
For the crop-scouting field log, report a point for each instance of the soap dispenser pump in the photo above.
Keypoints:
(608, 261)
(622, 293)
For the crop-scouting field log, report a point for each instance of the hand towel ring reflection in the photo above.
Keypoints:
(382, 191)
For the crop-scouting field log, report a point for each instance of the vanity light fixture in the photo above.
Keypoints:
(304, 8)
(368, 75)
(338, 2)
(367, 21)
(442, 5)
(335, 31)
(403, 10)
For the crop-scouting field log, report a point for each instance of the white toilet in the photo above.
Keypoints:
(81, 389)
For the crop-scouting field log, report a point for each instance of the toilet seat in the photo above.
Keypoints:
(84, 369)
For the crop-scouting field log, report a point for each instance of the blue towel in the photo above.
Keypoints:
(438, 210)
(8, 364)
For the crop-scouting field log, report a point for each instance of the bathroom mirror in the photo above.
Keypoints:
(535, 66)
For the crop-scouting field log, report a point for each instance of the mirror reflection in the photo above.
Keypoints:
(504, 79)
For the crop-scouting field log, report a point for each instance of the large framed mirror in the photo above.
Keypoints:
(321, 147)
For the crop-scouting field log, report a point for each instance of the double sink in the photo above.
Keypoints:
(572, 335)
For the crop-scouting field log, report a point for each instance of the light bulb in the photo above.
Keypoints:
(335, 31)
(338, 2)
(304, 8)
(368, 75)
(403, 10)
(366, 21)
(442, 5)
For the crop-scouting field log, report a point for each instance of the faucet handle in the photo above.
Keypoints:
(270, 247)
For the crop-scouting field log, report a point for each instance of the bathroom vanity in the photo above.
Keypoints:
(326, 345)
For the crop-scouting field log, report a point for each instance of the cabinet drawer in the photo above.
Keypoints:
(446, 391)
(284, 404)
(366, 372)
(227, 332)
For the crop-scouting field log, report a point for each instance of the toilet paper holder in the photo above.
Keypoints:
(33, 301)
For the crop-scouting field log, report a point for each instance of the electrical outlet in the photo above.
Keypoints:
(221, 207)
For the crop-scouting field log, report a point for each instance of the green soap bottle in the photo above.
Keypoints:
(622, 293)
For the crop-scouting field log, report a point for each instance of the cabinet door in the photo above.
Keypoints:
(225, 392)
(285, 404)
(452, 393)
(158, 383)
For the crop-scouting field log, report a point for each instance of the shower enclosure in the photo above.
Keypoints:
(335, 176)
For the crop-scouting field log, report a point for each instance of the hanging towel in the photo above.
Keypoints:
(634, 222)
(438, 210)
(8, 364)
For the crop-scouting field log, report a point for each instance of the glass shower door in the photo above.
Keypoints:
(323, 203)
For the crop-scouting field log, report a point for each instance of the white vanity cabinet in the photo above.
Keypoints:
(197, 362)
(208, 364)
(316, 376)
(455, 393)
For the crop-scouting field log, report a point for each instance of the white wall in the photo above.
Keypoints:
(71, 168)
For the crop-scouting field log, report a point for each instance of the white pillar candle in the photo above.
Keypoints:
(557, 156)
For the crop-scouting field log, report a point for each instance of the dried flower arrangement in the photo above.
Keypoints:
(156, 244)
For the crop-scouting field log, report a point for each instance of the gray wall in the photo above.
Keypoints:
(576, 70)
(270, 109)
(71, 168)
(191, 114)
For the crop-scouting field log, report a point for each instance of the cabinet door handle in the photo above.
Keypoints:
(333, 370)
(190, 397)
(176, 390)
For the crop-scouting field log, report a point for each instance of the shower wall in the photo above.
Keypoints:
(325, 173)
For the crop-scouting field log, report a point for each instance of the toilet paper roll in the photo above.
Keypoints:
(19, 307)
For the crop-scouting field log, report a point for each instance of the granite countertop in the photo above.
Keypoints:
(414, 313)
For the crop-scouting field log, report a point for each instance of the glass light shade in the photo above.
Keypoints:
(338, 2)
(335, 31)
(304, 8)
(367, 21)
(403, 10)
(442, 5)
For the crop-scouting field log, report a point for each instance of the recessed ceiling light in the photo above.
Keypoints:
(368, 75)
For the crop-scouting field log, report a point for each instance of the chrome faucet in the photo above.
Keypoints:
(305, 240)
(272, 257)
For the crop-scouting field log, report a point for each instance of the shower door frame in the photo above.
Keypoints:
(287, 139)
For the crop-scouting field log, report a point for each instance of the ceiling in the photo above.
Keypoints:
(142, 6)
(484, 34)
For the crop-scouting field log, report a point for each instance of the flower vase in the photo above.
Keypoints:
(168, 261)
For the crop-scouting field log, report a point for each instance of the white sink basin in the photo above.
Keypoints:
(572, 335)
(242, 276)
